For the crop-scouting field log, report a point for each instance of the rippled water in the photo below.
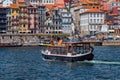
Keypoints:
(26, 63)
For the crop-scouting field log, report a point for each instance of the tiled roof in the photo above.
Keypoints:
(21, 0)
(49, 6)
(92, 10)
(77, 4)
(66, 1)
(89, 2)
(14, 6)
(108, 22)
(58, 4)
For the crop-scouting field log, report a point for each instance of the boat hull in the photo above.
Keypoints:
(69, 58)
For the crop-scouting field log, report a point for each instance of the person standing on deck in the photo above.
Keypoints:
(74, 39)
(59, 41)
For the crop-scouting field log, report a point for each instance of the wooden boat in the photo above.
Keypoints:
(71, 51)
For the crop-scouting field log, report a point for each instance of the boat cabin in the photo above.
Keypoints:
(70, 48)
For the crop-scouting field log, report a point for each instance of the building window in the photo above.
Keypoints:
(24, 25)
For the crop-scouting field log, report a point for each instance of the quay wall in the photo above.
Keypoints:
(104, 43)
(111, 43)
(35, 38)
(18, 38)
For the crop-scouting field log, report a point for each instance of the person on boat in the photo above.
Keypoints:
(74, 39)
(59, 41)
(52, 42)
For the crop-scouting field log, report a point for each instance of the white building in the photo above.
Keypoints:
(37, 2)
(6, 3)
(114, 4)
(33, 2)
(91, 20)
(48, 1)
(66, 22)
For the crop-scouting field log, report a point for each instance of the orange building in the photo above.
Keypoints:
(32, 19)
(91, 4)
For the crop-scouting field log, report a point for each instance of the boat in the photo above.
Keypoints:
(69, 51)
(12, 44)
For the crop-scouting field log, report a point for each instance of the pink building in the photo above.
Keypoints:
(32, 19)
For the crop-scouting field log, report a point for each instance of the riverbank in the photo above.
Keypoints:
(34, 40)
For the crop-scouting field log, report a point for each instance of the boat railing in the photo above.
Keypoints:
(73, 48)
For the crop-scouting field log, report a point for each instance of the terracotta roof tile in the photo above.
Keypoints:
(21, 0)
(89, 2)
(58, 4)
(92, 10)
(108, 22)
(49, 6)
(14, 6)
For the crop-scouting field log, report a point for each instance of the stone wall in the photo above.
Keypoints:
(18, 38)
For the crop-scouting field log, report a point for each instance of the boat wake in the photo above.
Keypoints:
(102, 62)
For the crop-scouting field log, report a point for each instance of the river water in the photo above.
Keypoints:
(26, 63)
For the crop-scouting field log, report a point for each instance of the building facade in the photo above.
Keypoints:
(32, 19)
(54, 23)
(33, 2)
(90, 21)
(7, 3)
(66, 22)
(23, 17)
(42, 18)
(3, 19)
(13, 19)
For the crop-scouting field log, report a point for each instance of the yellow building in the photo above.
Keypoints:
(14, 18)
(23, 16)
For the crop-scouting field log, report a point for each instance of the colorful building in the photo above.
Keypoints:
(6, 3)
(42, 18)
(66, 18)
(3, 19)
(33, 2)
(13, 19)
(23, 17)
(91, 4)
(33, 19)
(91, 20)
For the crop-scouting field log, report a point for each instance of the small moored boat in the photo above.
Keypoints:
(70, 51)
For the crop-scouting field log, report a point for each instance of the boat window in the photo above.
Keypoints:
(58, 50)
(77, 49)
(86, 48)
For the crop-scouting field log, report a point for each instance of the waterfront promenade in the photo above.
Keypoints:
(34, 39)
